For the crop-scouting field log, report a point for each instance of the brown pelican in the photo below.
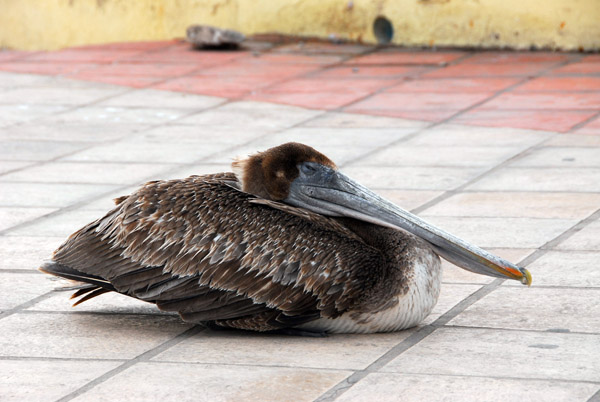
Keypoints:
(284, 242)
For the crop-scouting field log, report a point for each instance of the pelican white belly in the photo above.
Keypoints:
(412, 307)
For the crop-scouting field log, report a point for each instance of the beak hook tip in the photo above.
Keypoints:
(526, 279)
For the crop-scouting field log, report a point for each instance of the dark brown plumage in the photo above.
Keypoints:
(224, 249)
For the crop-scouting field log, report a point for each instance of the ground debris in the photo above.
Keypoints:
(205, 36)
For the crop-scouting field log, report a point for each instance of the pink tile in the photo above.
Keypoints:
(310, 48)
(422, 115)
(516, 57)
(46, 68)
(286, 58)
(128, 81)
(142, 46)
(400, 57)
(315, 85)
(366, 71)
(537, 100)
(227, 87)
(141, 69)
(245, 68)
(314, 100)
(592, 58)
(11, 55)
(578, 68)
(83, 56)
(454, 85)
(319, 93)
(489, 70)
(558, 120)
(421, 101)
(178, 54)
(561, 84)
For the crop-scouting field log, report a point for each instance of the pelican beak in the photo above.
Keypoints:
(326, 191)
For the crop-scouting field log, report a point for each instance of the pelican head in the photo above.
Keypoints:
(300, 176)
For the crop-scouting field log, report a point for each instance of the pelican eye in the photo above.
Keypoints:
(308, 168)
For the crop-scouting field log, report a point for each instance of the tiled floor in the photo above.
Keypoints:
(541, 90)
(500, 148)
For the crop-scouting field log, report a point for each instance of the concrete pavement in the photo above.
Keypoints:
(69, 144)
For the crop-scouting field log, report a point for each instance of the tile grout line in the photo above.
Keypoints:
(508, 89)
(595, 397)
(343, 386)
(398, 81)
(584, 123)
(449, 119)
(63, 359)
(249, 56)
(422, 333)
(31, 302)
(449, 193)
(550, 246)
(144, 357)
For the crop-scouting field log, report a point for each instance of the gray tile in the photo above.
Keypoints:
(502, 353)
(541, 309)
(18, 80)
(561, 157)
(352, 120)
(333, 352)
(503, 232)
(338, 155)
(16, 289)
(48, 195)
(91, 336)
(36, 150)
(566, 268)
(574, 140)
(73, 172)
(455, 135)
(200, 169)
(63, 82)
(43, 380)
(121, 115)
(164, 381)
(409, 199)
(26, 253)
(587, 238)
(137, 151)
(59, 225)
(252, 115)
(198, 135)
(16, 113)
(405, 155)
(75, 132)
(13, 216)
(166, 99)
(541, 179)
(317, 137)
(108, 303)
(57, 95)
(409, 387)
(518, 205)
(7, 166)
(411, 178)
(106, 202)
(450, 296)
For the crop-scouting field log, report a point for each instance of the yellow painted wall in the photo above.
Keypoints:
(520, 24)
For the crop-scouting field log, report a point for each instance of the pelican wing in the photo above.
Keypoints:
(201, 247)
